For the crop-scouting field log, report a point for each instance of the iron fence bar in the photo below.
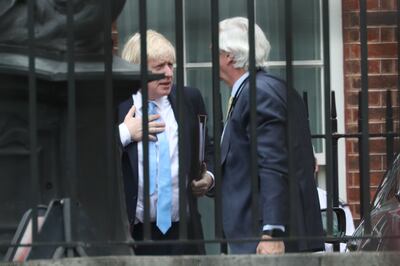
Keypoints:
(356, 135)
(67, 212)
(289, 127)
(109, 117)
(398, 62)
(389, 128)
(335, 158)
(217, 122)
(253, 239)
(305, 100)
(179, 88)
(364, 141)
(329, 123)
(335, 152)
(359, 134)
(33, 129)
(71, 148)
(145, 118)
(253, 120)
(71, 108)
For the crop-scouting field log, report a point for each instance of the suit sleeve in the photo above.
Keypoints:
(124, 137)
(271, 151)
(122, 112)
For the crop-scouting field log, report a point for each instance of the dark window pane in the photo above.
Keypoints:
(306, 28)
(160, 17)
(198, 26)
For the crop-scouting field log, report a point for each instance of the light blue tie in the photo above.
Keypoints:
(152, 154)
(164, 203)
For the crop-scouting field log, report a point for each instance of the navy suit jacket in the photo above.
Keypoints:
(272, 161)
(193, 106)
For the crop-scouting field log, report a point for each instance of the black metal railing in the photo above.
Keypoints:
(72, 173)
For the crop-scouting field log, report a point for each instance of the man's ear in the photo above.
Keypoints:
(230, 59)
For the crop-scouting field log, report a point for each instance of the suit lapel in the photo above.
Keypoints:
(225, 142)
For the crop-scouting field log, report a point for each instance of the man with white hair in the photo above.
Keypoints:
(272, 153)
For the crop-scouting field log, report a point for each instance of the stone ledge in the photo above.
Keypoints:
(320, 259)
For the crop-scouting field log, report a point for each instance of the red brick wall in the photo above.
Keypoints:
(382, 75)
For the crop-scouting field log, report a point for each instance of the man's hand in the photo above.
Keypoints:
(134, 125)
(200, 187)
(270, 247)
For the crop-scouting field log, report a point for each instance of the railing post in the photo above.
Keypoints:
(398, 62)
(145, 120)
(217, 122)
(335, 158)
(363, 114)
(109, 111)
(335, 176)
(293, 192)
(253, 120)
(329, 149)
(389, 129)
(180, 107)
(33, 131)
(305, 100)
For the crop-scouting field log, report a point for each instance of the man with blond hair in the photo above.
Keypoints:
(163, 152)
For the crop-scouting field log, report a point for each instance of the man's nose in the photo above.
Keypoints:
(168, 71)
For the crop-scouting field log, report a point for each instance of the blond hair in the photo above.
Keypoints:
(158, 48)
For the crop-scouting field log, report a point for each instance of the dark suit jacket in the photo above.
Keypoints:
(193, 106)
(272, 167)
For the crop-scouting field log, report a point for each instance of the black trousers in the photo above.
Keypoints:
(162, 249)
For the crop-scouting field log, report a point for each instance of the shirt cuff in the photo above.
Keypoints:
(124, 135)
(270, 227)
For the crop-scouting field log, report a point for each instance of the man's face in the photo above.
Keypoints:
(162, 87)
(224, 62)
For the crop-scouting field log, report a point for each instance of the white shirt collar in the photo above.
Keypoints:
(238, 83)
(137, 100)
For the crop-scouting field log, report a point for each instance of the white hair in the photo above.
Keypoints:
(234, 39)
